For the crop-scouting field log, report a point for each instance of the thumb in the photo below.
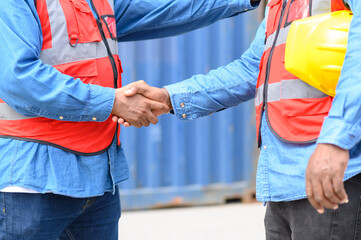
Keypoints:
(130, 92)
(139, 87)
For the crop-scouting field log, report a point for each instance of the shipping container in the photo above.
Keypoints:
(210, 160)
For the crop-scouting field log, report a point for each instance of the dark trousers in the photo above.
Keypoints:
(297, 220)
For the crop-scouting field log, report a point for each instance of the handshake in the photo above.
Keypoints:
(139, 104)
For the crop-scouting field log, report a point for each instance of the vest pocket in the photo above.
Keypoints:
(305, 107)
(86, 70)
(81, 24)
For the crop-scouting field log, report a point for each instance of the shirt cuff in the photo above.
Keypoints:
(180, 99)
(243, 5)
(340, 133)
(100, 103)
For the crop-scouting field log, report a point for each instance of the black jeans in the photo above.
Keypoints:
(297, 220)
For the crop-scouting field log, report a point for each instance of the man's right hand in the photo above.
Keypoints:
(156, 94)
(137, 110)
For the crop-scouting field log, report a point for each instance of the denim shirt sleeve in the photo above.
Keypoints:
(33, 88)
(145, 19)
(343, 125)
(222, 88)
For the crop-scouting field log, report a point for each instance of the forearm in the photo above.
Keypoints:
(145, 19)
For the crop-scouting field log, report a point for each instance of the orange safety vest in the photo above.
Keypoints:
(294, 110)
(79, 45)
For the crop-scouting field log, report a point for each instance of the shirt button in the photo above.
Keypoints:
(182, 105)
(265, 146)
(94, 118)
(210, 114)
(61, 117)
(184, 116)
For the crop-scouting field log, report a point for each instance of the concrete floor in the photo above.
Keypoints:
(223, 222)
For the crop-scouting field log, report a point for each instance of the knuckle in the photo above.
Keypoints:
(338, 190)
(325, 172)
(329, 195)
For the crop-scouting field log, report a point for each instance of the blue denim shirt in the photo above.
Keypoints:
(281, 166)
(33, 89)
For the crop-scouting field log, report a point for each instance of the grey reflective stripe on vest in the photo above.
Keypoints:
(281, 39)
(320, 7)
(59, 31)
(61, 51)
(288, 89)
(82, 51)
(7, 113)
(259, 95)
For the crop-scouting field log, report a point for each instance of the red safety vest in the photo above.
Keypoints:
(76, 44)
(294, 110)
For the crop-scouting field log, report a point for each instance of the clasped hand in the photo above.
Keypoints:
(139, 104)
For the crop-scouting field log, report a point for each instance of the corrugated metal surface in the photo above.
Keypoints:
(189, 163)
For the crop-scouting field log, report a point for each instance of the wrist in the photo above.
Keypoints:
(167, 99)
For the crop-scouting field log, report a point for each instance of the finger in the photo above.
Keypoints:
(145, 119)
(114, 118)
(126, 124)
(137, 124)
(319, 196)
(130, 92)
(329, 194)
(316, 205)
(339, 189)
(158, 107)
(152, 118)
(121, 121)
(145, 122)
(311, 197)
(137, 87)
(158, 113)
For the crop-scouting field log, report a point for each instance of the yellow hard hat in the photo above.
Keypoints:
(316, 47)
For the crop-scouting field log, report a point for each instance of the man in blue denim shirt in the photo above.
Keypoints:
(281, 175)
(49, 193)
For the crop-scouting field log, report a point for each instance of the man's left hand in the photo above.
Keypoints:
(324, 177)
